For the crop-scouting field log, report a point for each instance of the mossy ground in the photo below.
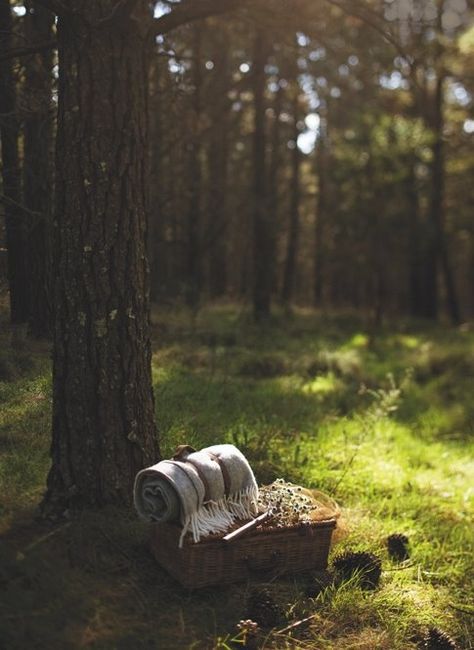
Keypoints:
(382, 422)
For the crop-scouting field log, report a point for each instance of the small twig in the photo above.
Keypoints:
(297, 624)
(42, 539)
(401, 568)
(249, 526)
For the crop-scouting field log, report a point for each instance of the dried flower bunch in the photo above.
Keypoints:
(289, 504)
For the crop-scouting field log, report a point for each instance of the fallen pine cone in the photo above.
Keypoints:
(397, 545)
(365, 565)
(262, 608)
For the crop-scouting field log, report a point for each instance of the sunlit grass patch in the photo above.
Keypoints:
(359, 340)
(24, 439)
(323, 384)
(391, 470)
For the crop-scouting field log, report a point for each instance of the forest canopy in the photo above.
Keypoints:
(317, 153)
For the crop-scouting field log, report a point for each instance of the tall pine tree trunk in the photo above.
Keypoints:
(274, 176)
(437, 256)
(11, 177)
(103, 420)
(262, 262)
(37, 167)
(292, 247)
(414, 244)
(376, 244)
(321, 209)
(437, 207)
(218, 173)
(194, 267)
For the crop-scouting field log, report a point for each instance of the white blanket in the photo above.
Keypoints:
(206, 491)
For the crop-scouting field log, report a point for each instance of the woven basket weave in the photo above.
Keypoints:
(263, 554)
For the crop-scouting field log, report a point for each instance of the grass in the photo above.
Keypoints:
(383, 423)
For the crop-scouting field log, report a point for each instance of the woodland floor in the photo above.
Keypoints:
(384, 423)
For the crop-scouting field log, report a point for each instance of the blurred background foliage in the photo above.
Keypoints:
(311, 153)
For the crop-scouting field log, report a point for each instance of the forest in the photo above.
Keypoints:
(242, 222)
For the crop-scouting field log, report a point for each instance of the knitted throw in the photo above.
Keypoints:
(206, 491)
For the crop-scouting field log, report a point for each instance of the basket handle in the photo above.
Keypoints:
(256, 566)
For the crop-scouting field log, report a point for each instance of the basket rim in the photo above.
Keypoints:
(257, 532)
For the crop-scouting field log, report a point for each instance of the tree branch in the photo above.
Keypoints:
(121, 10)
(369, 17)
(188, 12)
(184, 13)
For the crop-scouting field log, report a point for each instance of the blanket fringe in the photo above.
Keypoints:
(218, 516)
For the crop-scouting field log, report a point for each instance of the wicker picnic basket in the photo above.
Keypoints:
(265, 553)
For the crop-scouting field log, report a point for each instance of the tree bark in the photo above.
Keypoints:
(432, 236)
(103, 411)
(194, 267)
(414, 243)
(37, 169)
(321, 209)
(437, 252)
(292, 248)
(11, 177)
(454, 308)
(273, 178)
(263, 263)
(376, 239)
(218, 172)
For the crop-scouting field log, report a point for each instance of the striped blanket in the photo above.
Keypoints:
(205, 491)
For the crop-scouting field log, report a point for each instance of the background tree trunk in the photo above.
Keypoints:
(37, 167)
(292, 247)
(218, 173)
(437, 258)
(11, 177)
(274, 168)
(103, 424)
(377, 247)
(321, 208)
(263, 264)
(194, 267)
(414, 244)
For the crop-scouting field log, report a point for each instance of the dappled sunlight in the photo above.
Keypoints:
(323, 385)
(408, 341)
(358, 340)
(24, 398)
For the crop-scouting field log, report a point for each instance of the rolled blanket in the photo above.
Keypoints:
(206, 491)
